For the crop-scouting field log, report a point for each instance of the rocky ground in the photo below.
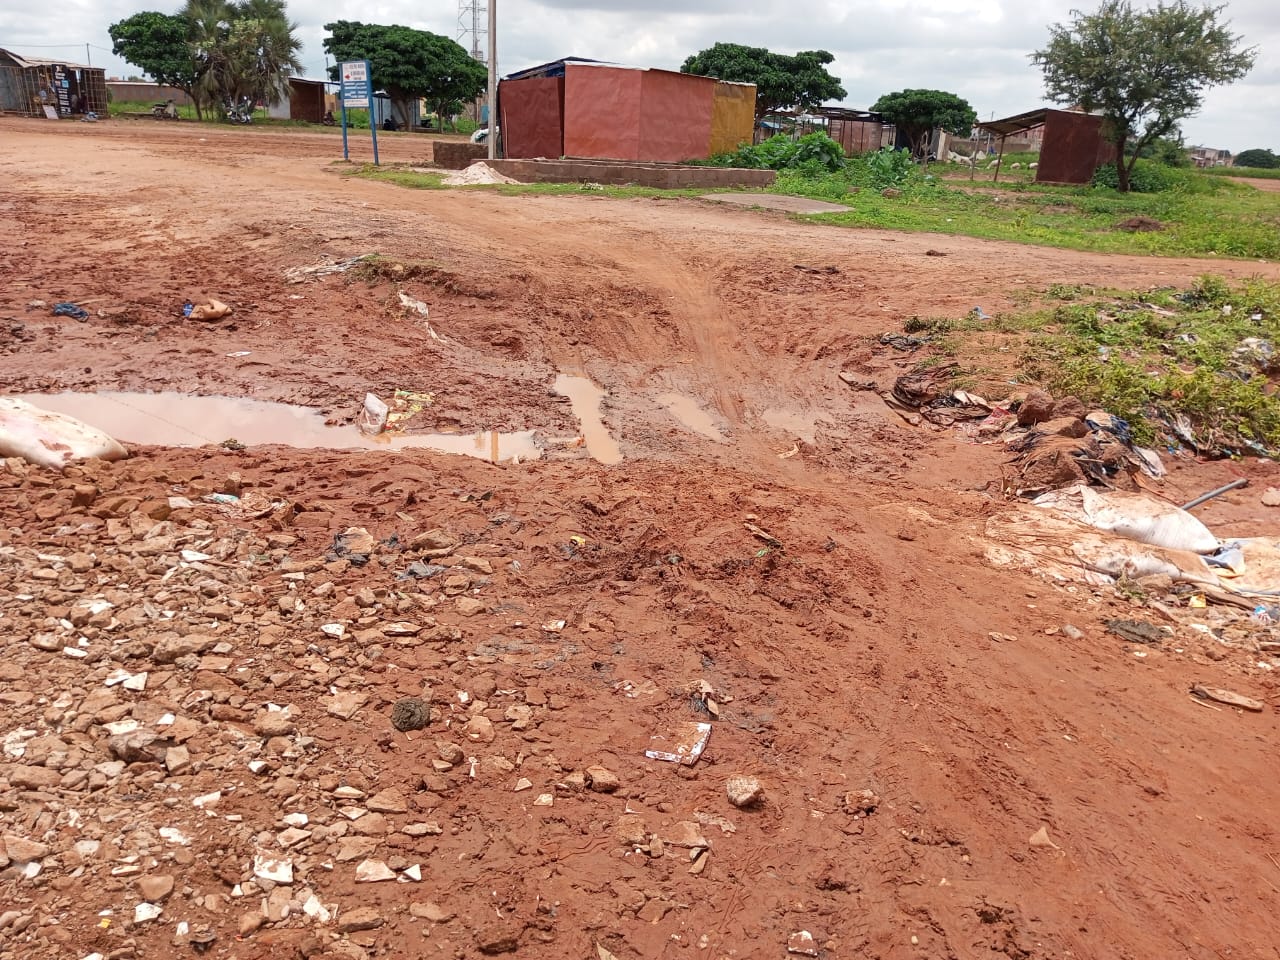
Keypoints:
(270, 702)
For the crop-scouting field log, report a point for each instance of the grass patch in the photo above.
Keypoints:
(1199, 216)
(1197, 368)
(400, 176)
(1257, 173)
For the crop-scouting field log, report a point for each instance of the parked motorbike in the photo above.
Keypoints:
(164, 111)
(239, 112)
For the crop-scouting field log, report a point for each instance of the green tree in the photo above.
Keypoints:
(1144, 70)
(782, 82)
(1258, 159)
(408, 64)
(245, 50)
(916, 113)
(157, 44)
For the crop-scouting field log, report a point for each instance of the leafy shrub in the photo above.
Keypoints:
(889, 168)
(815, 152)
(1147, 177)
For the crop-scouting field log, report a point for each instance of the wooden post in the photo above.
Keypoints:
(999, 158)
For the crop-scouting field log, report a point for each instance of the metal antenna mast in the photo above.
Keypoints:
(473, 26)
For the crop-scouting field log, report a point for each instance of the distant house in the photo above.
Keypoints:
(1209, 157)
(597, 111)
(37, 87)
(306, 101)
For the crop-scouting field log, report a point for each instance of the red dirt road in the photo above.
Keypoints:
(857, 656)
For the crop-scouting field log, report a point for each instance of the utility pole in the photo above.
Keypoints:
(88, 60)
(492, 138)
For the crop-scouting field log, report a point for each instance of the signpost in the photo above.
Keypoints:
(356, 90)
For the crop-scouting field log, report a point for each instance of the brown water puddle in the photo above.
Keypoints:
(686, 410)
(584, 397)
(179, 420)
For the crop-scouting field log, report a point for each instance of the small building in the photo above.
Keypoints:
(1072, 148)
(1210, 157)
(38, 87)
(588, 110)
(306, 101)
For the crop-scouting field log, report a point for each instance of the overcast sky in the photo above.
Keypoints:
(975, 48)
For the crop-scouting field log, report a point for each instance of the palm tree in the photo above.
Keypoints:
(247, 50)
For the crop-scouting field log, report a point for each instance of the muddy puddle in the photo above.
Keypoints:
(804, 426)
(690, 414)
(584, 397)
(179, 420)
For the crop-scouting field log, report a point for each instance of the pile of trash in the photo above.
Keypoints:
(1102, 536)
(1057, 442)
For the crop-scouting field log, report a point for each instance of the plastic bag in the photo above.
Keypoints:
(50, 439)
(1133, 516)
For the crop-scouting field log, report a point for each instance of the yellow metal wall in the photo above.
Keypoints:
(733, 116)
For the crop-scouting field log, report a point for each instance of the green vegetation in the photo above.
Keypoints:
(1145, 69)
(814, 153)
(1195, 216)
(1195, 367)
(120, 108)
(782, 82)
(917, 112)
(1257, 157)
(1256, 173)
(1198, 365)
(409, 65)
(400, 176)
(217, 51)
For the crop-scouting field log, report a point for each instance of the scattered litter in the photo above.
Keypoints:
(324, 269)
(1217, 492)
(225, 499)
(1228, 697)
(684, 745)
(209, 310)
(417, 306)
(802, 943)
(1135, 631)
(1041, 839)
(478, 173)
(272, 868)
(239, 353)
(146, 911)
(764, 535)
(553, 626)
(72, 310)
(49, 439)
(373, 415)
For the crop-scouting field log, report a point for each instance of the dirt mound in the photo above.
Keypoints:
(1140, 225)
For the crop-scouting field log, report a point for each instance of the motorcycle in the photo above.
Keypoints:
(164, 111)
(239, 112)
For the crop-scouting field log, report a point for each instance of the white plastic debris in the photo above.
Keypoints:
(194, 556)
(373, 416)
(413, 873)
(335, 630)
(50, 439)
(174, 835)
(146, 911)
(316, 910)
(275, 869)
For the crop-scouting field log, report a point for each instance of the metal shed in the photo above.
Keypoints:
(1073, 146)
(36, 87)
(306, 101)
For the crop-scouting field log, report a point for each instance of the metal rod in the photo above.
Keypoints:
(492, 138)
(1242, 482)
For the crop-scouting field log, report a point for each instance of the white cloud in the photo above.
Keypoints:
(976, 48)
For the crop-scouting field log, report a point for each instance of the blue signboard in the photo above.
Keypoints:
(356, 90)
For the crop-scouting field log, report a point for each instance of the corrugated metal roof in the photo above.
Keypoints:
(27, 62)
